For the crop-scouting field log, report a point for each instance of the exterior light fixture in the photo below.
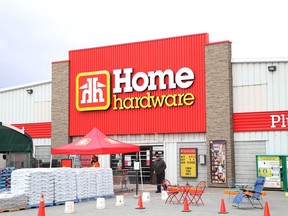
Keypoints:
(29, 91)
(272, 68)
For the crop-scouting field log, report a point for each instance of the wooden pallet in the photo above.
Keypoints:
(63, 202)
(13, 209)
(88, 199)
(37, 205)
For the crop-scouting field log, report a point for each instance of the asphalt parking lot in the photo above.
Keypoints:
(277, 202)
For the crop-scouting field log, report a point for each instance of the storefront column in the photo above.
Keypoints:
(60, 106)
(219, 108)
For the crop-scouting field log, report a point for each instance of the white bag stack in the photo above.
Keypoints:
(65, 185)
(21, 181)
(82, 178)
(33, 183)
(42, 182)
(13, 201)
(104, 179)
(62, 184)
(92, 182)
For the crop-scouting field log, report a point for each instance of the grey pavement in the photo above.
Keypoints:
(212, 197)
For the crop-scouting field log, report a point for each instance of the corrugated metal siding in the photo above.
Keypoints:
(36, 130)
(257, 94)
(248, 136)
(20, 107)
(256, 89)
(245, 159)
(260, 121)
(160, 138)
(278, 143)
(171, 158)
(42, 141)
(172, 53)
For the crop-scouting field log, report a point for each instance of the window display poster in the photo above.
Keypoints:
(269, 167)
(85, 160)
(218, 161)
(127, 160)
(147, 157)
(188, 162)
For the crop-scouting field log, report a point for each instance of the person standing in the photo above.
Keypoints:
(94, 161)
(159, 167)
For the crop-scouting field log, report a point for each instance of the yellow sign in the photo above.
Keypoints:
(188, 162)
(266, 172)
(268, 158)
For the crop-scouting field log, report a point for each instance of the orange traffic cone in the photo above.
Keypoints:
(186, 206)
(41, 210)
(222, 208)
(140, 203)
(266, 209)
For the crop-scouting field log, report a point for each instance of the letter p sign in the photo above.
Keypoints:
(274, 120)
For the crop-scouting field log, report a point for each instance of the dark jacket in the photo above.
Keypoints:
(159, 166)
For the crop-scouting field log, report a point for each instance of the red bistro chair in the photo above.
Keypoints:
(195, 195)
(165, 184)
(184, 192)
(172, 195)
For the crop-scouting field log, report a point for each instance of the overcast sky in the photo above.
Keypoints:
(34, 33)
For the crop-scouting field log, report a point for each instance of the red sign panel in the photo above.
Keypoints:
(260, 121)
(139, 88)
(188, 151)
(66, 163)
(36, 130)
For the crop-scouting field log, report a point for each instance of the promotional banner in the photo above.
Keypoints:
(85, 160)
(269, 167)
(218, 161)
(188, 162)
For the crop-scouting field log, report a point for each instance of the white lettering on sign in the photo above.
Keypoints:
(184, 78)
(279, 120)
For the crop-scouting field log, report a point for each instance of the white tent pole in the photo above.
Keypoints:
(141, 176)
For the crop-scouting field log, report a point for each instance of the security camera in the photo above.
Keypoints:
(29, 91)
(272, 68)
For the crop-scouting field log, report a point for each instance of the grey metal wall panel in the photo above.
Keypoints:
(17, 106)
(255, 88)
(245, 159)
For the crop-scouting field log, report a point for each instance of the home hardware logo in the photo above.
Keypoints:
(93, 93)
(83, 142)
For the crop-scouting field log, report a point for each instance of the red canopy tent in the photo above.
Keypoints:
(95, 142)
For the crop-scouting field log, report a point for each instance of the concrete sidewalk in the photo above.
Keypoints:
(212, 199)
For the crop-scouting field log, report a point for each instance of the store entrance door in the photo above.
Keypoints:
(156, 150)
(144, 157)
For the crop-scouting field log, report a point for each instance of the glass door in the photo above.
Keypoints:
(144, 157)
